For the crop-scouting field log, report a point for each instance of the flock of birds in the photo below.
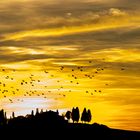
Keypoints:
(32, 82)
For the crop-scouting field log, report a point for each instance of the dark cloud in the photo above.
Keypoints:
(18, 16)
(23, 16)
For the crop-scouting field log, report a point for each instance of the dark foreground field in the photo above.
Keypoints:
(50, 125)
(70, 131)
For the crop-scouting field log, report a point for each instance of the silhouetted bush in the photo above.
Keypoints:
(68, 115)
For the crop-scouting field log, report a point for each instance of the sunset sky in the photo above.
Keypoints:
(59, 54)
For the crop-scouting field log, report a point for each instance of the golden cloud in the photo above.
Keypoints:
(105, 23)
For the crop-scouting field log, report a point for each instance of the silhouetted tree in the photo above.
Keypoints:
(75, 114)
(5, 116)
(86, 115)
(2, 117)
(37, 111)
(41, 111)
(83, 117)
(68, 115)
(13, 114)
(57, 112)
(32, 113)
(89, 116)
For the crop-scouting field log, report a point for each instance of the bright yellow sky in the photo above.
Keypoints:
(57, 58)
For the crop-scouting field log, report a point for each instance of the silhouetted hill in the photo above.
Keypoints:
(51, 125)
(71, 131)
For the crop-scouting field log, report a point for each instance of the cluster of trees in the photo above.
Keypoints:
(75, 115)
(3, 118)
(44, 119)
(39, 119)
